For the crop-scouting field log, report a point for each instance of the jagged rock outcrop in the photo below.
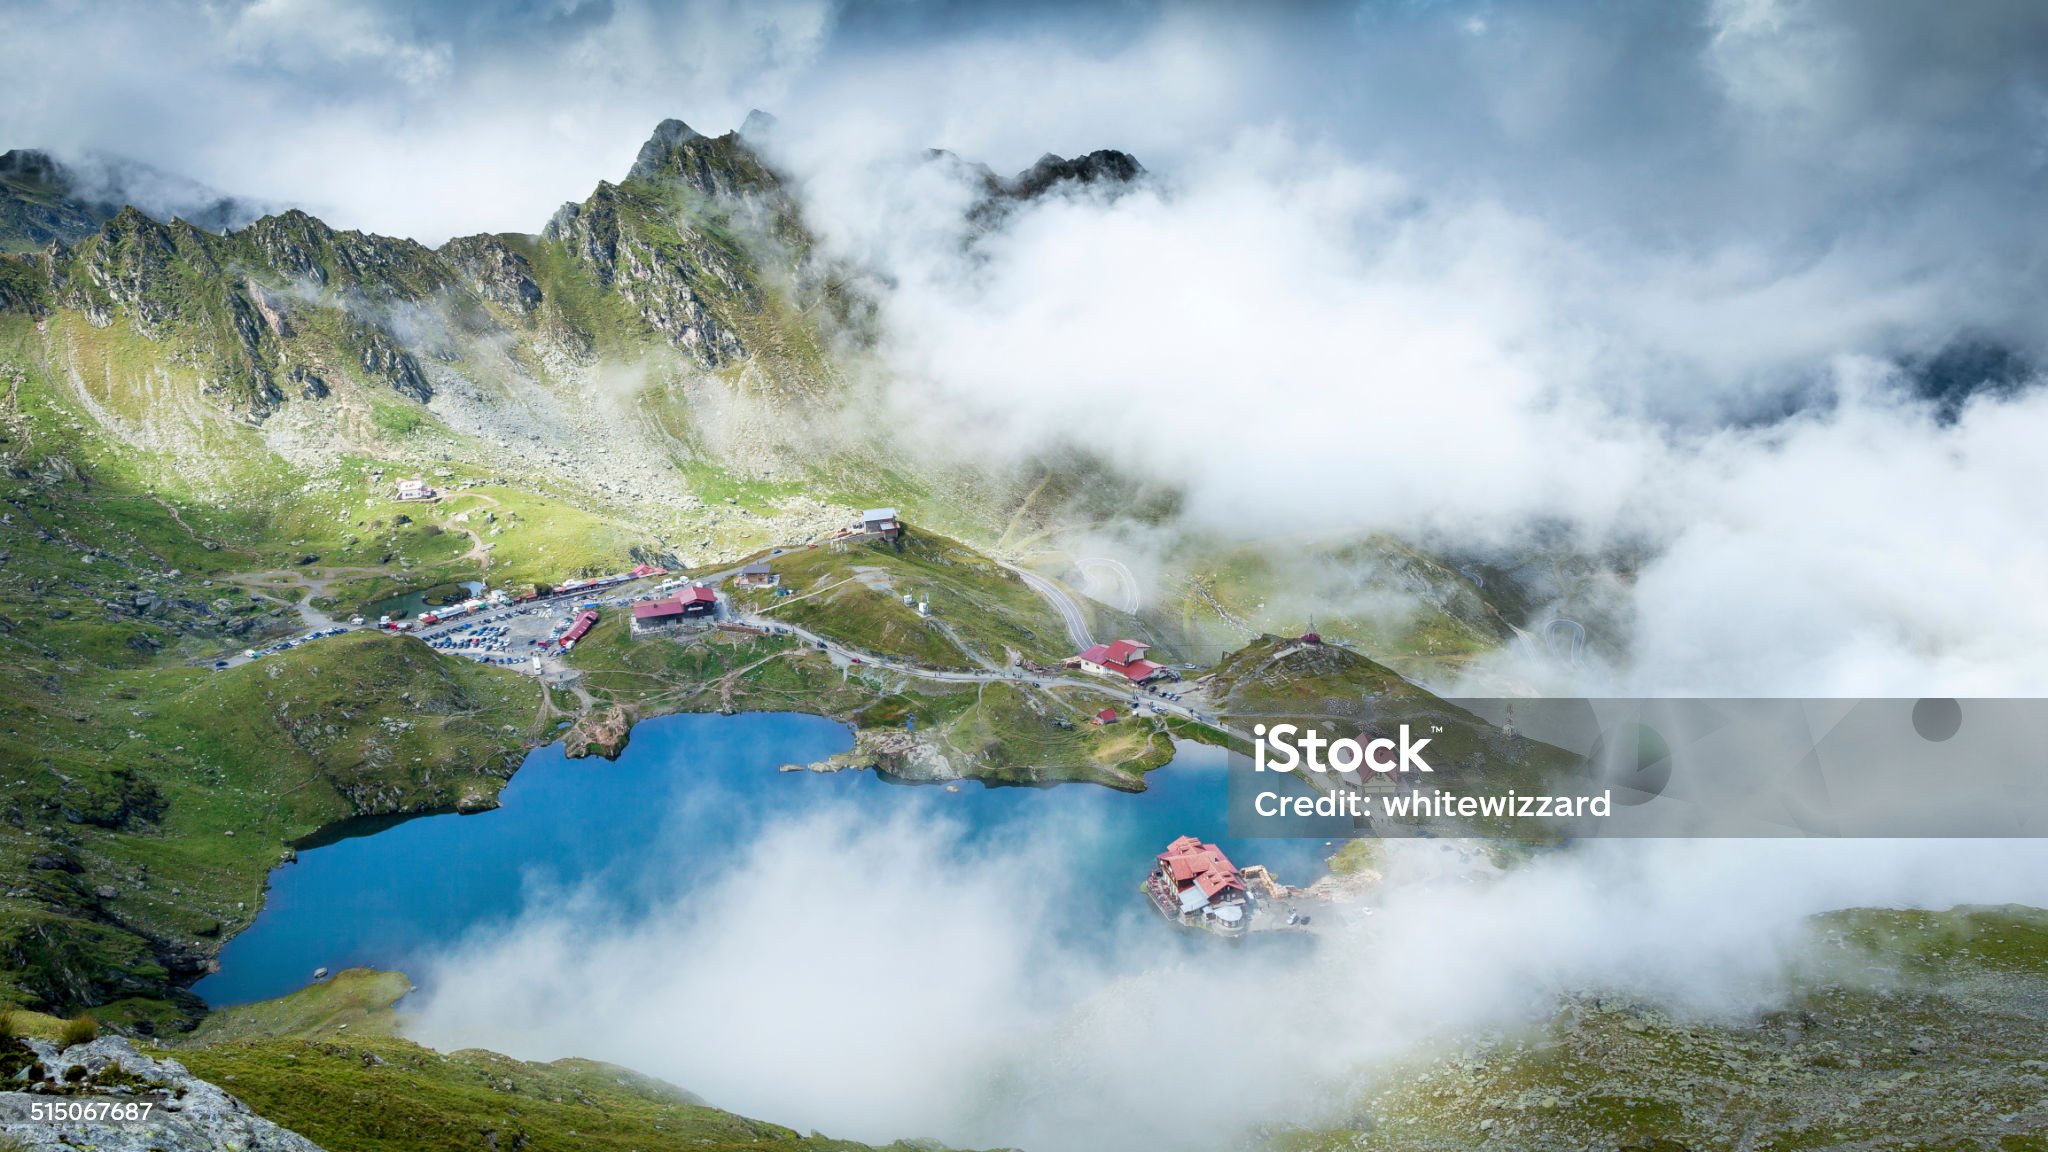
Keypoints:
(663, 267)
(383, 360)
(659, 282)
(1104, 166)
(24, 284)
(311, 386)
(33, 206)
(125, 266)
(491, 269)
(1105, 170)
(722, 167)
(590, 230)
(44, 200)
(187, 1114)
(291, 245)
(269, 305)
(757, 128)
(701, 243)
(173, 285)
(301, 248)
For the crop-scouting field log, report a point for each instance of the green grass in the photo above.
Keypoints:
(1356, 856)
(1000, 732)
(1016, 734)
(982, 614)
(1903, 1029)
(78, 1030)
(371, 1094)
(541, 538)
(327, 1061)
(145, 826)
(395, 419)
(709, 672)
(354, 1000)
(1412, 610)
(2007, 939)
(1279, 679)
(1276, 676)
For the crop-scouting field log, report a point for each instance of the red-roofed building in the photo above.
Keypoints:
(656, 616)
(1106, 716)
(584, 622)
(1125, 658)
(659, 615)
(1196, 884)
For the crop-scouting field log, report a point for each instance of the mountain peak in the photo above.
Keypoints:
(669, 135)
(44, 198)
(723, 167)
(30, 166)
(1103, 166)
(758, 126)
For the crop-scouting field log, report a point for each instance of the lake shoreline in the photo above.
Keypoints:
(550, 816)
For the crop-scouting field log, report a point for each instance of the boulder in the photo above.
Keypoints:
(188, 1114)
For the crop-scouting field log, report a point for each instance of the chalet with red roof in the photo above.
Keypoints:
(1124, 658)
(1195, 884)
(694, 602)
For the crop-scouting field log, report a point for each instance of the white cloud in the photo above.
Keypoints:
(1393, 273)
(318, 36)
(424, 121)
(877, 978)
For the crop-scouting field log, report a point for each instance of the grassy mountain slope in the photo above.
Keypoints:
(1344, 694)
(201, 432)
(909, 727)
(326, 1063)
(141, 823)
(982, 615)
(142, 797)
(1914, 1030)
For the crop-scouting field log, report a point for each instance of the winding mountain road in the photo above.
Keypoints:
(1127, 583)
(1070, 611)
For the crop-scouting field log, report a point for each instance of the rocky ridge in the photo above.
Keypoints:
(186, 1114)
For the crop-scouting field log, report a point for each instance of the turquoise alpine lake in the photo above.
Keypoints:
(686, 795)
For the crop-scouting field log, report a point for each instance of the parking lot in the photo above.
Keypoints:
(512, 637)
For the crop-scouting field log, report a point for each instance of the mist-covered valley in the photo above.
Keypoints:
(1507, 351)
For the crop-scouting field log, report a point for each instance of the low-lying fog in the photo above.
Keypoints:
(882, 977)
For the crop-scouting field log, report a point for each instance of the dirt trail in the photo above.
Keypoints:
(179, 519)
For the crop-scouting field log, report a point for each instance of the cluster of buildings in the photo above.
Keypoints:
(1196, 885)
